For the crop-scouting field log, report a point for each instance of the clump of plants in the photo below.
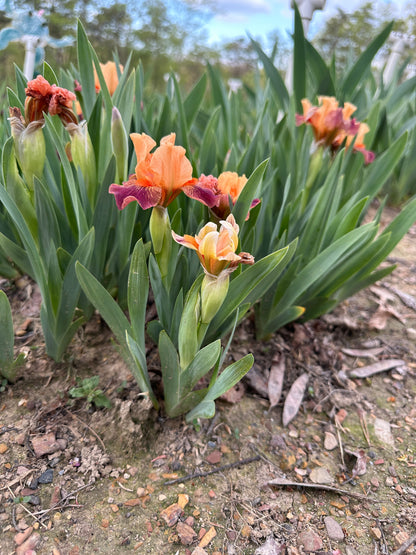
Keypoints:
(220, 204)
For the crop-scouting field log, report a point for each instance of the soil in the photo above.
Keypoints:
(77, 479)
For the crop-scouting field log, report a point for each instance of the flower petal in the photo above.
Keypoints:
(203, 194)
(147, 197)
(143, 144)
(187, 241)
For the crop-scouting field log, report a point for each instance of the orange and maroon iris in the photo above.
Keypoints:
(159, 176)
(331, 125)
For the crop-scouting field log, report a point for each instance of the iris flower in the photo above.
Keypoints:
(159, 176)
(332, 124)
(110, 75)
(42, 97)
(227, 185)
(216, 249)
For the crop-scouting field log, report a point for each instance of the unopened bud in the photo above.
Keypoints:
(120, 145)
(29, 146)
(82, 155)
(213, 292)
(161, 235)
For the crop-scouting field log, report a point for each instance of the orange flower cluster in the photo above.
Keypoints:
(332, 125)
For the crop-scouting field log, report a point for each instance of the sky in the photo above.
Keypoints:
(259, 17)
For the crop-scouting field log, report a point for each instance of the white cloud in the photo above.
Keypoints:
(243, 7)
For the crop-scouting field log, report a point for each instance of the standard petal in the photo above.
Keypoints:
(170, 167)
(143, 144)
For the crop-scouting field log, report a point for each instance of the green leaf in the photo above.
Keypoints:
(251, 284)
(86, 70)
(299, 61)
(6, 336)
(194, 99)
(354, 76)
(38, 269)
(104, 303)
(16, 253)
(70, 286)
(169, 362)
(202, 363)
(274, 76)
(242, 206)
(226, 380)
(320, 265)
(140, 368)
(137, 293)
(319, 70)
(381, 169)
(188, 328)
(14, 100)
(279, 320)
(183, 126)
(205, 409)
(49, 74)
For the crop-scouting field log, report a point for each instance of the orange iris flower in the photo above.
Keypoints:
(42, 97)
(332, 124)
(216, 249)
(110, 75)
(227, 185)
(160, 176)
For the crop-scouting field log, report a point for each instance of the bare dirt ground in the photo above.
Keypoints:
(340, 479)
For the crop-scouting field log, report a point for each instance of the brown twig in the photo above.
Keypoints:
(23, 507)
(89, 428)
(405, 546)
(341, 449)
(125, 489)
(283, 482)
(56, 505)
(209, 472)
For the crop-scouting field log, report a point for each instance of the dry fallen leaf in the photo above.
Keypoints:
(294, 399)
(380, 366)
(363, 353)
(257, 381)
(379, 319)
(276, 377)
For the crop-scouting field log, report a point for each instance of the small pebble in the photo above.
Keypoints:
(333, 529)
(46, 477)
(34, 484)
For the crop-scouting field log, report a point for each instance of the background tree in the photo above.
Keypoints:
(346, 34)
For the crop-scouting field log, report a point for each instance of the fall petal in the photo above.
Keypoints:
(147, 197)
(204, 195)
(187, 241)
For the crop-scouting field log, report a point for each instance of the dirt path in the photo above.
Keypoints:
(80, 480)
